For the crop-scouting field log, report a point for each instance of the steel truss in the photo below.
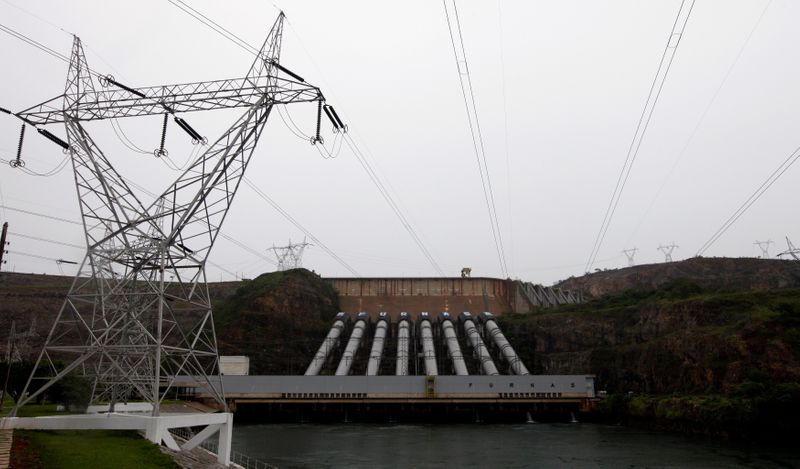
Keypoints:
(123, 324)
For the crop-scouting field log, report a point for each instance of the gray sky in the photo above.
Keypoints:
(575, 75)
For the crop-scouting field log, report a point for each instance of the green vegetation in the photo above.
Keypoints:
(277, 319)
(72, 391)
(683, 292)
(680, 357)
(756, 410)
(96, 449)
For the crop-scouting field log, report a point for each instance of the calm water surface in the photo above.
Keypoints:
(501, 446)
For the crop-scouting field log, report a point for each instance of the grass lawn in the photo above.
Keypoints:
(95, 449)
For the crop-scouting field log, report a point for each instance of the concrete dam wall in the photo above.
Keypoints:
(456, 294)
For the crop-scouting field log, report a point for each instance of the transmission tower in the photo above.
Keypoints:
(667, 250)
(764, 246)
(124, 324)
(630, 253)
(790, 250)
(290, 256)
(18, 346)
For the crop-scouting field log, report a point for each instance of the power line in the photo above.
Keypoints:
(36, 256)
(51, 241)
(373, 176)
(711, 102)
(65, 220)
(42, 215)
(389, 200)
(60, 167)
(297, 224)
(475, 131)
(505, 129)
(224, 235)
(39, 46)
(214, 26)
(644, 121)
(771, 179)
(371, 172)
(30, 13)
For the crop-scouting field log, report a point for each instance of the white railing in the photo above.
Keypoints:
(241, 460)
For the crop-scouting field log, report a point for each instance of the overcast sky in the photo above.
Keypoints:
(575, 76)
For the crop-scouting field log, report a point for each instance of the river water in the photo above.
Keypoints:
(489, 446)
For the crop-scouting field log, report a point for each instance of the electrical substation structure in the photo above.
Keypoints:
(138, 312)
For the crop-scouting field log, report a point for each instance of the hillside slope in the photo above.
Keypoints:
(679, 338)
(719, 273)
(277, 319)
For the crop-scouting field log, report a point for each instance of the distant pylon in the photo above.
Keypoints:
(764, 246)
(790, 251)
(667, 250)
(290, 256)
(630, 253)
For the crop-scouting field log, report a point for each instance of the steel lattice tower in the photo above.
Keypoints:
(790, 250)
(123, 324)
(764, 246)
(667, 250)
(291, 255)
(630, 254)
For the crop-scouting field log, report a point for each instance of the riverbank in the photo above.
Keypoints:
(758, 412)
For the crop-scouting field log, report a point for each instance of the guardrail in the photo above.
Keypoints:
(237, 458)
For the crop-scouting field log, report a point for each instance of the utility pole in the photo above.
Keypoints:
(764, 246)
(3, 246)
(667, 250)
(630, 253)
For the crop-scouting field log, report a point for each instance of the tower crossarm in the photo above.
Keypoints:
(114, 102)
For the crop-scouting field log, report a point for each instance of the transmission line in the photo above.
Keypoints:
(73, 222)
(774, 176)
(297, 224)
(60, 167)
(42, 215)
(40, 46)
(214, 26)
(505, 130)
(644, 121)
(692, 135)
(51, 241)
(362, 160)
(371, 173)
(475, 131)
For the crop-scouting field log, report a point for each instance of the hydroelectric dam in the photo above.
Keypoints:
(407, 367)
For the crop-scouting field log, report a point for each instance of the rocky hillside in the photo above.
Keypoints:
(277, 319)
(718, 273)
(677, 338)
(33, 300)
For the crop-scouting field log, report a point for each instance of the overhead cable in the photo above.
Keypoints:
(771, 179)
(51, 241)
(678, 27)
(297, 224)
(362, 160)
(462, 67)
(387, 196)
(40, 46)
(700, 121)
